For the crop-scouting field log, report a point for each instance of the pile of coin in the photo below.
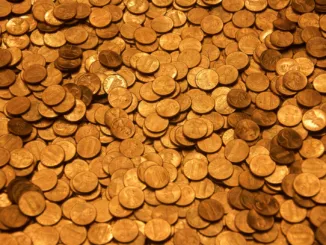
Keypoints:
(162, 122)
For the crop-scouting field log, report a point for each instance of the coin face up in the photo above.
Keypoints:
(175, 122)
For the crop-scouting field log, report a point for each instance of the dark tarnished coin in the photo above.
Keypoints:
(70, 52)
(20, 127)
(110, 59)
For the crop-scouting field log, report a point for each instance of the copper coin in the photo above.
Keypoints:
(306, 234)
(236, 150)
(306, 184)
(125, 230)
(73, 233)
(238, 98)
(8, 77)
(256, 220)
(88, 147)
(315, 47)
(53, 95)
(211, 210)
(131, 197)
(18, 105)
(69, 51)
(269, 59)
(52, 155)
(157, 230)
(34, 74)
(19, 127)
(110, 59)
(16, 219)
(7, 57)
(83, 213)
(65, 11)
(289, 139)
(156, 177)
(266, 204)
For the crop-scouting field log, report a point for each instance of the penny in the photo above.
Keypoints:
(262, 165)
(236, 150)
(6, 8)
(281, 38)
(259, 222)
(34, 74)
(45, 234)
(100, 233)
(69, 51)
(186, 54)
(207, 79)
(52, 155)
(318, 85)
(305, 94)
(195, 128)
(166, 212)
(311, 148)
(46, 179)
(147, 64)
(31, 203)
(314, 119)
(210, 210)
(53, 95)
(145, 35)
(314, 166)
(238, 98)
(18, 105)
(247, 130)
(54, 40)
(157, 230)
(315, 47)
(83, 11)
(220, 168)
(16, 219)
(110, 59)
(71, 233)
(289, 139)
(320, 233)
(7, 57)
(269, 59)
(17, 26)
(306, 234)
(125, 230)
(85, 182)
(207, 145)
(156, 177)
(294, 80)
(76, 35)
(155, 123)
(83, 213)
(292, 212)
(306, 184)
(229, 237)
(19, 127)
(163, 85)
(195, 169)
(266, 204)
(88, 147)
(7, 78)
(65, 11)
(211, 24)
(131, 197)
(51, 215)
(289, 115)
